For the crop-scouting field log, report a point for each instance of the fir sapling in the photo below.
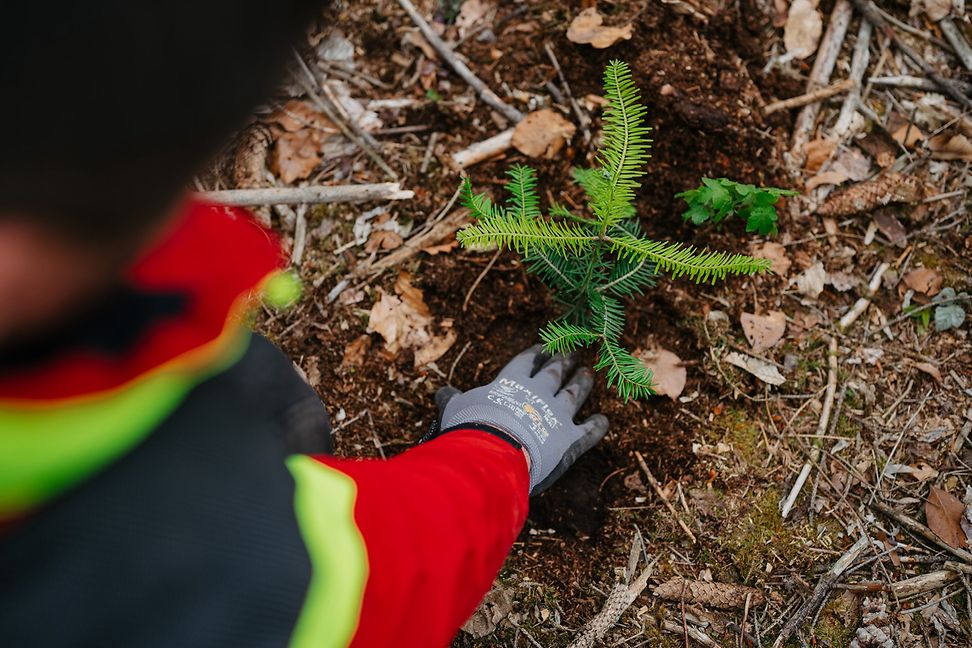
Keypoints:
(597, 259)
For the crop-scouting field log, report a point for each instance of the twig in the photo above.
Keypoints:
(472, 288)
(790, 500)
(823, 67)
(308, 195)
(582, 117)
(920, 529)
(859, 61)
(460, 68)
(479, 151)
(347, 127)
(300, 236)
(455, 363)
(917, 83)
(862, 303)
(870, 13)
(821, 591)
(954, 36)
(810, 97)
(427, 158)
(661, 495)
(693, 632)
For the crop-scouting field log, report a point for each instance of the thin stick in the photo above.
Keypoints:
(427, 158)
(460, 68)
(582, 117)
(691, 631)
(828, 405)
(300, 236)
(821, 591)
(810, 97)
(920, 529)
(308, 195)
(661, 495)
(479, 151)
(917, 83)
(348, 128)
(472, 288)
(823, 67)
(870, 13)
(861, 304)
(954, 36)
(859, 61)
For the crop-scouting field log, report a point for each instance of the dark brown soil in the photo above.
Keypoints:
(704, 100)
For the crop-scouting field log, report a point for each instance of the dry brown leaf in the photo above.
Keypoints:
(908, 136)
(471, 14)
(720, 595)
(354, 353)
(802, 30)
(943, 514)
(929, 369)
(923, 472)
(763, 331)
(776, 253)
(890, 226)
(416, 39)
(435, 349)
(854, 163)
(383, 240)
(924, 280)
(296, 115)
(937, 9)
(542, 134)
(295, 155)
(587, 28)
(765, 371)
(667, 369)
(448, 246)
(818, 152)
(405, 322)
(955, 147)
(812, 280)
(834, 177)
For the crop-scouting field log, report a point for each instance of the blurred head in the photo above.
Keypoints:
(109, 108)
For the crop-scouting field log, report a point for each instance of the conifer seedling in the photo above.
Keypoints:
(596, 259)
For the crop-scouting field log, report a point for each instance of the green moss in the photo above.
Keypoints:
(831, 630)
(735, 428)
(756, 536)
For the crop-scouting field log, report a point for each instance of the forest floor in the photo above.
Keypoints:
(876, 413)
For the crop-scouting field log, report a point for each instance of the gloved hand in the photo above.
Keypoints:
(533, 401)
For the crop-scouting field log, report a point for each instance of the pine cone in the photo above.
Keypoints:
(720, 595)
(875, 630)
(889, 188)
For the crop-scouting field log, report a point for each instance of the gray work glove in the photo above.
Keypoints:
(533, 400)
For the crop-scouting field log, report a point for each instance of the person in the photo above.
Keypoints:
(165, 476)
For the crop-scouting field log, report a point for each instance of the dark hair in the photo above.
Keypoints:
(109, 107)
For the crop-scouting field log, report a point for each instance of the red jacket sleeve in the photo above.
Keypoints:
(437, 522)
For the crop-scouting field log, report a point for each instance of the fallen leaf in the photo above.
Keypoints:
(923, 472)
(448, 246)
(890, 226)
(843, 281)
(802, 30)
(471, 14)
(354, 353)
(924, 280)
(587, 28)
(667, 369)
(765, 371)
(495, 606)
(852, 162)
(943, 514)
(833, 177)
(414, 38)
(937, 9)
(810, 282)
(435, 349)
(908, 136)
(295, 155)
(296, 115)
(383, 240)
(818, 152)
(955, 147)
(776, 253)
(763, 331)
(542, 134)
(929, 369)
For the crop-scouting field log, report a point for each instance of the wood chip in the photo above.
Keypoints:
(718, 595)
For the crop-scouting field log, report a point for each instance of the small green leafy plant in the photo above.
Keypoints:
(596, 259)
(719, 198)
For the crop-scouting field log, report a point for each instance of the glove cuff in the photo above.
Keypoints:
(502, 421)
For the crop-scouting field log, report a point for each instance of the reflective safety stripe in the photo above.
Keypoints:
(47, 449)
(324, 501)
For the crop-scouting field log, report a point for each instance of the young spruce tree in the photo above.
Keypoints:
(593, 261)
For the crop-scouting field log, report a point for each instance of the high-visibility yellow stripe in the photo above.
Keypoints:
(324, 502)
(45, 450)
